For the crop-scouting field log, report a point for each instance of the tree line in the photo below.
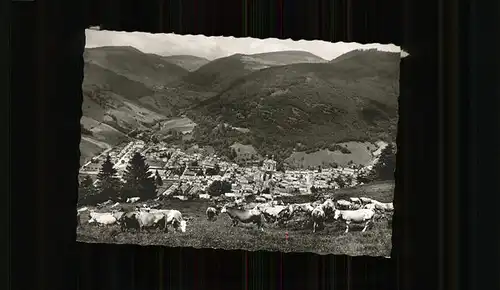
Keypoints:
(138, 181)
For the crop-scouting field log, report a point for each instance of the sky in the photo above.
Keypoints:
(213, 47)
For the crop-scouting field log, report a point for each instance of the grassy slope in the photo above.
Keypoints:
(219, 234)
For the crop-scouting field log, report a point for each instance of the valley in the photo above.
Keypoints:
(291, 104)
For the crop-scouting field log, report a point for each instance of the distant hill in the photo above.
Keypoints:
(188, 62)
(288, 57)
(313, 104)
(220, 73)
(370, 60)
(150, 69)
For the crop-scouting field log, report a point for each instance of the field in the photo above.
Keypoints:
(183, 125)
(360, 153)
(201, 233)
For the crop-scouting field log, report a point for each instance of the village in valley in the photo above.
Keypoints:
(189, 174)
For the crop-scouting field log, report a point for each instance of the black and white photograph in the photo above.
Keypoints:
(238, 143)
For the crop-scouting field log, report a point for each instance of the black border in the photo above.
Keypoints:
(46, 45)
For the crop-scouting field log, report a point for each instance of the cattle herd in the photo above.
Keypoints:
(360, 211)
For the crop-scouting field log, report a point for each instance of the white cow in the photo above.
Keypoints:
(305, 207)
(366, 200)
(271, 213)
(355, 200)
(102, 218)
(355, 216)
(328, 206)
(344, 204)
(370, 206)
(383, 206)
(148, 220)
(133, 199)
(172, 217)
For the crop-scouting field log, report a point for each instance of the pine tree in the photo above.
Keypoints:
(386, 164)
(86, 182)
(86, 191)
(108, 185)
(139, 182)
(218, 188)
(159, 181)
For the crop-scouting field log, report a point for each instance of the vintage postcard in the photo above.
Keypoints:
(238, 143)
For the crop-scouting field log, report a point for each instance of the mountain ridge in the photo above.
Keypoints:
(305, 104)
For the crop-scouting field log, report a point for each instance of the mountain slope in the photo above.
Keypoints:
(124, 90)
(288, 57)
(188, 62)
(149, 69)
(312, 104)
(220, 73)
(112, 107)
(371, 61)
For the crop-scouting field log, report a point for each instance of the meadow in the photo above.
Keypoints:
(201, 233)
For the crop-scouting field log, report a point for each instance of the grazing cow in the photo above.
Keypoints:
(118, 215)
(212, 213)
(383, 206)
(129, 220)
(344, 204)
(286, 214)
(149, 220)
(366, 200)
(173, 217)
(245, 216)
(143, 209)
(133, 199)
(356, 203)
(304, 207)
(355, 206)
(101, 218)
(318, 217)
(355, 216)
(328, 207)
(355, 199)
(370, 206)
(271, 213)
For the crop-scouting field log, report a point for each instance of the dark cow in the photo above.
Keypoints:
(212, 213)
(318, 217)
(129, 221)
(245, 216)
